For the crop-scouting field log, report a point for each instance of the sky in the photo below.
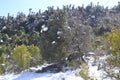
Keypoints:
(15, 6)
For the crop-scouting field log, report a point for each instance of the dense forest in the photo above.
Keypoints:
(59, 35)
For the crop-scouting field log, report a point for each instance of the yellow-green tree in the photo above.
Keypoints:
(35, 55)
(84, 72)
(113, 40)
(114, 45)
(21, 57)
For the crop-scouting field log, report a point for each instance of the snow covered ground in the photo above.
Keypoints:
(68, 75)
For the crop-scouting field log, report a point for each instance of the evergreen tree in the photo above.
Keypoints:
(35, 55)
(53, 39)
(114, 45)
(21, 58)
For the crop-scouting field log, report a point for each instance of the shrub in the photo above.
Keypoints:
(84, 72)
(113, 39)
(21, 58)
(35, 55)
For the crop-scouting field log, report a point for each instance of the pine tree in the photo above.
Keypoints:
(114, 45)
(21, 58)
(52, 49)
(35, 55)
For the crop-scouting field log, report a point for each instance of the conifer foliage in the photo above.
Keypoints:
(114, 45)
(35, 55)
(21, 57)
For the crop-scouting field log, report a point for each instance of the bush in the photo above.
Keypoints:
(113, 39)
(84, 72)
(21, 58)
(35, 55)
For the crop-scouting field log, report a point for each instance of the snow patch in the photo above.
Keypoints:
(4, 28)
(53, 42)
(1, 40)
(59, 32)
(44, 28)
(69, 28)
(93, 16)
(58, 37)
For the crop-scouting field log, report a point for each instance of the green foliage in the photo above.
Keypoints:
(2, 49)
(63, 79)
(2, 58)
(2, 69)
(74, 64)
(114, 75)
(34, 38)
(113, 39)
(2, 61)
(84, 72)
(19, 38)
(5, 37)
(35, 55)
(21, 57)
(113, 46)
(54, 51)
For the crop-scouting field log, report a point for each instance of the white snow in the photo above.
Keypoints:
(4, 28)
(91, 53)
(93, 16)
(53, 42)
(59, 32)
(1, 40)
(96, 74)
(69, 75)
(58, 37)
(69, 28)
(44, 28)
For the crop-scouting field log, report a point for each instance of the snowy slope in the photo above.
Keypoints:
(69, 75)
